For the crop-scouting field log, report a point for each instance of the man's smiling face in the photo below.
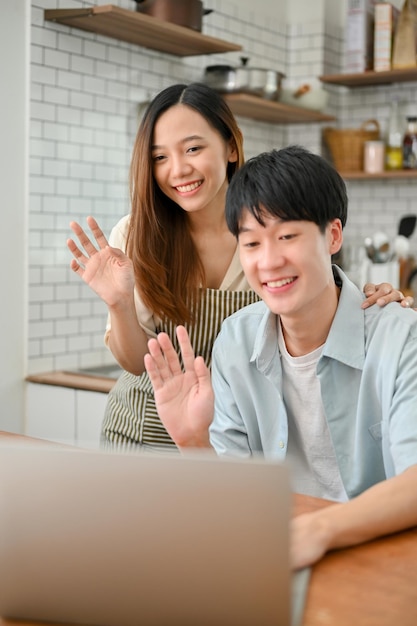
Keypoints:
(288, 263)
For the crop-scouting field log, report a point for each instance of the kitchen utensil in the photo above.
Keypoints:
(259, 81)
(222, 78)
(244, 79)
(386, 272)
(412, 283)
(407, 225)
(402, 244)
(401, 247)
(187, 13)
(369, 247)
(381, 246)
(305, 96)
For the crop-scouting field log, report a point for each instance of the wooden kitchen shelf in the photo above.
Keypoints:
(150, 32)
(140, 29)
(263, 110)
(386, 175)
(371, 78)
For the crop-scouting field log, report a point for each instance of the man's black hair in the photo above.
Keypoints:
(291, 184)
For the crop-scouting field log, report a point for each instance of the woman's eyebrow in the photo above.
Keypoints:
(184, 140)
(192, 138)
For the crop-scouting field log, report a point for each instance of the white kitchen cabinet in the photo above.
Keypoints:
(89, 412)
(50, 413)
(64, 415)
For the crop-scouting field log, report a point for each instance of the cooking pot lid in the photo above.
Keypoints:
(219, 68)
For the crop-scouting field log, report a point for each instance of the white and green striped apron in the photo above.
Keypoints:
(131, 418)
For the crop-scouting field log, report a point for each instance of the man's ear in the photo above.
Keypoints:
(335, 236)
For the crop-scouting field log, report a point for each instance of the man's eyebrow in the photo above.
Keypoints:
(247, 229)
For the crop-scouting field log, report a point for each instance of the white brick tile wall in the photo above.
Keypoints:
(53, 346)
(34, 348)
(79, 343)
(67, 327)
(41, 293)
(41, 330)
(54, 311)
(54, 275)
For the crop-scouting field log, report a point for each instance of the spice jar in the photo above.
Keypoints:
(410, 144)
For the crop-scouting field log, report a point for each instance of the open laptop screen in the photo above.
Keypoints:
(88, 537)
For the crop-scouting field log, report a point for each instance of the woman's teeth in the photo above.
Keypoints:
(190, 187)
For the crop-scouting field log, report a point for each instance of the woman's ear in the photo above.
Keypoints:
(232, 158)
(234, 142)
(335, 236)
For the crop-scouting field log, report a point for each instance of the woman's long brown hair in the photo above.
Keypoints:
(168, 270)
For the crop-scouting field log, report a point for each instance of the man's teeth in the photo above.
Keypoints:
(191, 187)
(280, 283)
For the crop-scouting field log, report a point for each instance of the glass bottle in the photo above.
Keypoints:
(394, 140)
(410, 144)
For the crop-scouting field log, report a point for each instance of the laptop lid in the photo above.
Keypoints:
(88, 537)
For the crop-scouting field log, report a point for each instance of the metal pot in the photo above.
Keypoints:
(187, 13)
(244, 79)
(259, 81)
(222, 78)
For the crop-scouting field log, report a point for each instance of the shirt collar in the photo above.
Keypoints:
(345, 341)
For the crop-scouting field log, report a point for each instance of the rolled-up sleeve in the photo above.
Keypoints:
(402, 426)
(117, 239)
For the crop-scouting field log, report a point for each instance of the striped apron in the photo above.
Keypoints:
(131, 418)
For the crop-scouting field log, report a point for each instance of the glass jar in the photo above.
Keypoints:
(410, 144)
(394, 141)
(394, 157)
(374, 157)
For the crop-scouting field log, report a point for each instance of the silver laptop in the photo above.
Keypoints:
(88, 537)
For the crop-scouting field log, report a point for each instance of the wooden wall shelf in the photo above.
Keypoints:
(140, 29)
(371, 78)
(263, 110)
(387, 175)
(150, 32)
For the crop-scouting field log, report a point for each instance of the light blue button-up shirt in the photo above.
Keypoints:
(368, 380)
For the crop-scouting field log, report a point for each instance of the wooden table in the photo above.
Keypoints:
(374, 584)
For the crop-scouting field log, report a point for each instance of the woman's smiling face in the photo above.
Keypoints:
(190, 159)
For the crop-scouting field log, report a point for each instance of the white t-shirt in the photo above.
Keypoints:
(310, 452)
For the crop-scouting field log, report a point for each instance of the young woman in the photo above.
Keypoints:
(172, 260)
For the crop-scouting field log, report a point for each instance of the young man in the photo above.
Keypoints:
(306, 374)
